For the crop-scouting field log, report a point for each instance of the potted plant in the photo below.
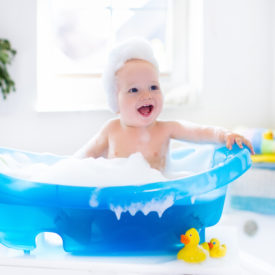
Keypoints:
(6, 55)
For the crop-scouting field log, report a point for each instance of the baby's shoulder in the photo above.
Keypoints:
(112, 124)
(168, 124)
(173, 127)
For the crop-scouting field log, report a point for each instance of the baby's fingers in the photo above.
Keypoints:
(239, 141)
(249, 145)
(229, 142)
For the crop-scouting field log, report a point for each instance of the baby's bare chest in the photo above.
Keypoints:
(153, 146)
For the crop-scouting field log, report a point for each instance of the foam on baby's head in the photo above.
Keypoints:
(133, 48)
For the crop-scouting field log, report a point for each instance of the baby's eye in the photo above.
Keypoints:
(133, 90)
(154, 87)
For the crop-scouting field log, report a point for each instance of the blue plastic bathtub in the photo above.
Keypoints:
(29, 208)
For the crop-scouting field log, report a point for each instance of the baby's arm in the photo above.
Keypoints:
(196, 133)
(97, 146)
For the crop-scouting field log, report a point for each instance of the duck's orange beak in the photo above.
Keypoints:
(210, 245)
(184, 239)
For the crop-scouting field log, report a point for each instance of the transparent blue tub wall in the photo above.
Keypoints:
(29, 208)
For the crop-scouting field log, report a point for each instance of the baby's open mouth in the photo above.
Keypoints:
(146, 110)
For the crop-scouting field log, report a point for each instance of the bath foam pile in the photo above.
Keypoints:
(99, 172)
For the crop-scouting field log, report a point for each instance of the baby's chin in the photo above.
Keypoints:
(139, 122)
(143, 118)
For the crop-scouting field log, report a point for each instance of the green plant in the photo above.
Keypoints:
(6, 55)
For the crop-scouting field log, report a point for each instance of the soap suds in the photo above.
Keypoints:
(99, 172)
(155, 205)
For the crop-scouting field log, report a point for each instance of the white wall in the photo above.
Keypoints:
(238, 64)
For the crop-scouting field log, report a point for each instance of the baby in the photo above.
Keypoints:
(131, 80)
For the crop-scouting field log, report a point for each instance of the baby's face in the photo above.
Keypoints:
(139, 96)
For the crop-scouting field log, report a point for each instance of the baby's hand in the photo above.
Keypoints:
(232, 138)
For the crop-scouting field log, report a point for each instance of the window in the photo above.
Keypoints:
(74, 37)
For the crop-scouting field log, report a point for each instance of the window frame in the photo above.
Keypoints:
(186, 39)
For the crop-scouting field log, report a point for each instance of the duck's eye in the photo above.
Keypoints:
(214, 242)
(190, 235)
(133, 90)
(154, 87)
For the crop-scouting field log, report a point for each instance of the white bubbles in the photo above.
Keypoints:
(155, 205)
(101, 172)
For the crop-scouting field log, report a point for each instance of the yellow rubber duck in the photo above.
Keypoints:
(268, 135)
(191, 252)
(215, 250)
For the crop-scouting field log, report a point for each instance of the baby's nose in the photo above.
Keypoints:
(146, 94)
